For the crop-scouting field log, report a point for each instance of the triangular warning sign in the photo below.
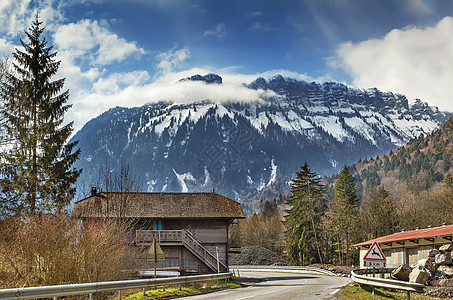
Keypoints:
(374, 253)
(155, 253)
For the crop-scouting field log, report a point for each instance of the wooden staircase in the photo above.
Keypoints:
(184, 238)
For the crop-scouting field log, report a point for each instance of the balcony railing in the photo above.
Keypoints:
(161, 236)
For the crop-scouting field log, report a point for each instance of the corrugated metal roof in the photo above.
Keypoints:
(159, 205)
(413, 234)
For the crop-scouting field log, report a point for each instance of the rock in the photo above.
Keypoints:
(433, 252)
(402, 272)
(446, 248)
(445, 282)
(447, 270)
(428, 264)
(443, 258)
(419, 275)
(439, 275)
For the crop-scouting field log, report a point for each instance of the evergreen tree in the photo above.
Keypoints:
(343, 212)
(37, 173)
(303, 220)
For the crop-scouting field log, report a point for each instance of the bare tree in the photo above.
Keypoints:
(123, 182)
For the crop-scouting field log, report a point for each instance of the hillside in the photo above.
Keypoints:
(420, 164)
(250, 150)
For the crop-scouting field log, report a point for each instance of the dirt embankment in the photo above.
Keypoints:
(254, 255)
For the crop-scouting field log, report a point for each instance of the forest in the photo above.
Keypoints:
(320, 218)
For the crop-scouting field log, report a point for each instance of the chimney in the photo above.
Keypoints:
(93, 191)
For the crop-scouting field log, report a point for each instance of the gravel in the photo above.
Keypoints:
(254, 255)
(437, 291)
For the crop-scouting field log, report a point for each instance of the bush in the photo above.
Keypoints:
(58, 249)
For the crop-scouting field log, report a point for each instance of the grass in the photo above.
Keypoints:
(358, 293)
(172, 292)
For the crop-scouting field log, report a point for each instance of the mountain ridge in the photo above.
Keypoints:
(242, 148)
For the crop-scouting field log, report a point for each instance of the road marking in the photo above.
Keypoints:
(334, 292)
(254, 296)
(245, 297)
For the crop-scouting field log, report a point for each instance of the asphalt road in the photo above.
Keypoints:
(285, 286)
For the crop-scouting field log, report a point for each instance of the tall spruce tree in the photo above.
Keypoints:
(343, 212)
(37, 173)
(303, 219)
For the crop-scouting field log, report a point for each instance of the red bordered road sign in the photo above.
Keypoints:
(374, 257)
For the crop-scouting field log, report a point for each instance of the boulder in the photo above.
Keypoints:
(446, 248)
(428, 264)
(402, 272)
(443, 258)
(445, 282)
(447, 270)
(419, 275)
(432, 254)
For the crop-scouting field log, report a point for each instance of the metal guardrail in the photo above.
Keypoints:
(286, 269)
(357, 276)
(90, 288)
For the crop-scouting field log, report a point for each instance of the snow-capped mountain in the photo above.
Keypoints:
(241, 148)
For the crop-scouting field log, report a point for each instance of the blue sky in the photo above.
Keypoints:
(132, 52)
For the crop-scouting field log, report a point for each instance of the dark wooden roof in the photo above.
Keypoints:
(158, 205)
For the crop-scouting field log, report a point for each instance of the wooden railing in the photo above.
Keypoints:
(186, 239)
(196, 248)
(147, 236)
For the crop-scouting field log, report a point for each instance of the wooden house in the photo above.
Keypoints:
(191, 228)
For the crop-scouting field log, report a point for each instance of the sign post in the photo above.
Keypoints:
(374, 258)
(155, 255)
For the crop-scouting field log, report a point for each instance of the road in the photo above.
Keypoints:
(285, 286)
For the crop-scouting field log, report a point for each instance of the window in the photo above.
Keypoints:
(157, 224)
(423, 252)
(397, 256)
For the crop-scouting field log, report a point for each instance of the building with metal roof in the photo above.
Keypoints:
(407, 247)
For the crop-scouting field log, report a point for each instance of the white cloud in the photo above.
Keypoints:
(114, 83)
(17, 15)
(135, 89)
(171, 59)
(90, 37)
(260, 27)
(219, 31)
(12, 14)
(416, 62)
(6, 48)
(255, 14)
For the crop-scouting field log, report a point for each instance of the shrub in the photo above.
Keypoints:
(59, 249)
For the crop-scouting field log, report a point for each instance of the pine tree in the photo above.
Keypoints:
(343, 212)
(37, 173)
(303, 220)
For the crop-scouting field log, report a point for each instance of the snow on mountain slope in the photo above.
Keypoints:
(239, 148)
